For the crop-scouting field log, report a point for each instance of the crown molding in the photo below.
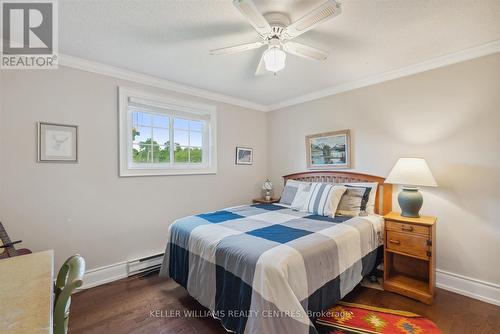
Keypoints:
(120, 73)
(445, 60)
(124, 74)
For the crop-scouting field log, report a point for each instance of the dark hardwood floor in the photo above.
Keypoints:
(138, 305)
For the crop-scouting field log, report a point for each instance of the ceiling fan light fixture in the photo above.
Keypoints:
(274, 59)
(276, 32)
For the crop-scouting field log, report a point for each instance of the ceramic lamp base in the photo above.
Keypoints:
(410, 201)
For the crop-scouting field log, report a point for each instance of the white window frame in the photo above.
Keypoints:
(174, 108)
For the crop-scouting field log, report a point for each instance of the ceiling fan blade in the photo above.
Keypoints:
(322, 13)
(248, 9)
(305, 51)
(261, 68)
(236, 48)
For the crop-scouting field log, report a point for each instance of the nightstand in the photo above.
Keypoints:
(410, 256)
(264, 201)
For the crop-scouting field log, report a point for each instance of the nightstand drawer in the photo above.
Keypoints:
(407, 243)
(408, 228)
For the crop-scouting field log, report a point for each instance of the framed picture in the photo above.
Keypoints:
(244, 156)
(330, 150)
(57, 142)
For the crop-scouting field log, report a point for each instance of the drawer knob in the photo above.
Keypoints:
(397, 242)
(407, 228)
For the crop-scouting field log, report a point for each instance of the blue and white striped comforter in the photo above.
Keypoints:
(268, 269)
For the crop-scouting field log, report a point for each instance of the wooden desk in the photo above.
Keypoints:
(26, 293)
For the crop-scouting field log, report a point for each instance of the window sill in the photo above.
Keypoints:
(166, 172)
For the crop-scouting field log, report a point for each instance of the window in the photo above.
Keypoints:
(162, 136)
(151, 141)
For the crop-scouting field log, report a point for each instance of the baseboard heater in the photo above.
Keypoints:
(144, 264)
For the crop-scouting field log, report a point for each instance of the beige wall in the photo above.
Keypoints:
(86, 207)
(449, 116)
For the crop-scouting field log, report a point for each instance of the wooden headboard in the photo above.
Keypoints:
(383, 200)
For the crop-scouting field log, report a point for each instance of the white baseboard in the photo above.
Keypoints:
(103, 275)
(467, 286)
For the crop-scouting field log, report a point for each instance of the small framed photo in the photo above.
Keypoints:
(330, 150)
(57, 142)
(244, 156)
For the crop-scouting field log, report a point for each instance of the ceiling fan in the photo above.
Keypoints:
(276, 32)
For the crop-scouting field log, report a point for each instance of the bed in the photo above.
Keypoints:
(265, 268)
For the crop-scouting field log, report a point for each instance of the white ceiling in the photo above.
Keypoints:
(170, 39)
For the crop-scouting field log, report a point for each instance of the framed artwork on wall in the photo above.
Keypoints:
(244, 156)
(57, 142)
(330, 150)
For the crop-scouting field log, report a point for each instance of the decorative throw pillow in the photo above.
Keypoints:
(354, 201)
(290, 191)
(301, 196)
(370, 206)
(323, 198)
(336, 195)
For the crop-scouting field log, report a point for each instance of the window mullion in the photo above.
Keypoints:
(205, 144)
(151, 147)
(171, 137)
(189, 142)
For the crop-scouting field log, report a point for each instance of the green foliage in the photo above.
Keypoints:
(181, 154)
(196, 155)
(150, 152)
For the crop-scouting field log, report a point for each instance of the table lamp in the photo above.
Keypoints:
(411, 173)
(268, 186)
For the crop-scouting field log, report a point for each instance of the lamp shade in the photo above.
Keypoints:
(268, 185)
(411, 172)
(274, 59)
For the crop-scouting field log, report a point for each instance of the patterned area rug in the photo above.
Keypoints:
(348, 318)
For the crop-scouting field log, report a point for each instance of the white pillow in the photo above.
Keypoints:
(323, 198)
(301, 196)
(370, 206)
(290, 191)
(336, 196)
